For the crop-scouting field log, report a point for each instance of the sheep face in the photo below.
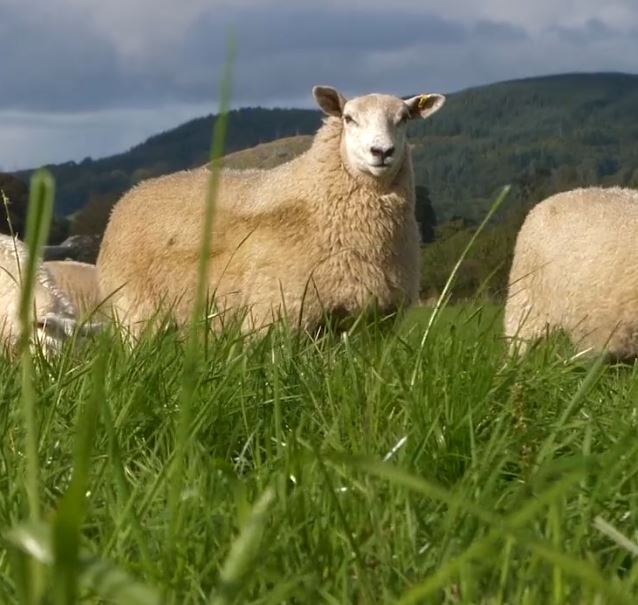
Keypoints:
(374, 138)
(51, 330)
(55, 321)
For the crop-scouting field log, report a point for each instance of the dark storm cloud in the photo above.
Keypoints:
(53, 65)
(82, 77)
(499, 32)
(282, 51)
(278, 29)
(67, 65)
(594, 30)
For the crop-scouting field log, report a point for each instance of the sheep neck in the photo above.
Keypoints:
(359, 217)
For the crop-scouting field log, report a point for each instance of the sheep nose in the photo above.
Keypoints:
(382, 153)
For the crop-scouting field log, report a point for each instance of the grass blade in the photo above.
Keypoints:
(38, 221)
(68, 519)
(191, 354)
(442, 300)
(35, 542)
(243, 551)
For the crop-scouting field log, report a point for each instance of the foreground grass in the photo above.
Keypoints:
(376, 468)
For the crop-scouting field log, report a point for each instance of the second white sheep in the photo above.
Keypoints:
(54, 314)
(575, 269)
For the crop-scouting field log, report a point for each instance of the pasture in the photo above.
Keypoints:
(382, 466)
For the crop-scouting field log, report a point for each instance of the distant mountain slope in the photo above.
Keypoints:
(540, 134)
(13, 215)
(183, 147)
(269, 155)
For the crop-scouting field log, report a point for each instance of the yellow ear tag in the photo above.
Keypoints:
(423, 102)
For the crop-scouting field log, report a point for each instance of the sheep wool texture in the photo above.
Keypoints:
(49, 300)
(78, 281)
(306, 237)
(575, 269)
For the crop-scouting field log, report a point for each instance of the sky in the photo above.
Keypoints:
(83, 78)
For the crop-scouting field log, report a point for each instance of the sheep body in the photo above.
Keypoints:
(78, 281)
(575, 268)
(306, 237)
(53, 312)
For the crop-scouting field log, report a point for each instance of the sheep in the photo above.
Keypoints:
(79, 282)
(54, 318)
(575, 268)
(83, 248)
(329, 233)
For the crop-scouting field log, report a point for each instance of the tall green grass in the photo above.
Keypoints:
(319, 473)
(410, 463)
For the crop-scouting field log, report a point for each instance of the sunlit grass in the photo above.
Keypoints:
(412, 462)
(317, 473)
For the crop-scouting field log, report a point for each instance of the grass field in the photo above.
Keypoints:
(373, 468)
(403, 463)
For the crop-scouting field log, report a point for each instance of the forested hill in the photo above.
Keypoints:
(183, 147)
(540, 134)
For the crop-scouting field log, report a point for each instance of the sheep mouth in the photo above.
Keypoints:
(379, 168)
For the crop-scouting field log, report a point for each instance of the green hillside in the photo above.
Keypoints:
(183, 147)
(268, 155)
(14, 198)
(540, 134)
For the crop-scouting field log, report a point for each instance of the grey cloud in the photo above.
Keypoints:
(54, 65)
(501, 32)
(71, 67)
(594, 30)
(31, 139)
(306, 28)
(67, 62)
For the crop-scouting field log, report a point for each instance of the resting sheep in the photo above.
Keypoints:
(54, 317)
(79, 282)
(331, 232)
(83, 248)
(575, 268)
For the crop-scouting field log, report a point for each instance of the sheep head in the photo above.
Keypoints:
(53, 329)
(374, 138)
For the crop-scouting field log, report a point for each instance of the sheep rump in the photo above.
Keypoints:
(575, 269)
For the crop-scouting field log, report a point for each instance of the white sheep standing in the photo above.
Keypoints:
(333, 231)
(575, 268)
(54, 317)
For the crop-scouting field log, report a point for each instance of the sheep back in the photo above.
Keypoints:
(575, 268)
(297, 240)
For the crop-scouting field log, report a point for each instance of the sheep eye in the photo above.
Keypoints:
(348, 119)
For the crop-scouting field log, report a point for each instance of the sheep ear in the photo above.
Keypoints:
(329, 99)
(423, 106)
